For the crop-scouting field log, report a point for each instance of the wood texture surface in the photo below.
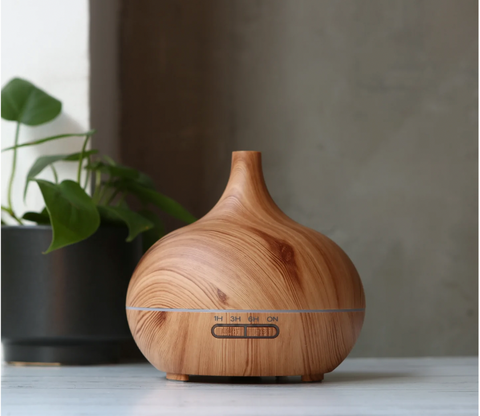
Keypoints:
(307, 344)
(313, 377)
(246, 254)
(177, 377)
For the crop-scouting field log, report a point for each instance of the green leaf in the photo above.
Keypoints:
(47, 139)
(114, 170)
(74, 157)
(109, 160)
(151, 236)
(73, 214)
(163, 202)
(135, 222)
(43, 161)
(122, 172)
(146, 181)
(38, 217)
(24, 102)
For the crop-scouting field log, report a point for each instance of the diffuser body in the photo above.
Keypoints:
(245, 291)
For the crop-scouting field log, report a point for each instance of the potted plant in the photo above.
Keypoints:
(65, 269)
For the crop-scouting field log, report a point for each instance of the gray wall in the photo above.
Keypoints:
(104, 75)
(366, 114)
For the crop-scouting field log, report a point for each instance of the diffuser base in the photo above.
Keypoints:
(305, 379)
(177, 377)
(312, 377)
(245, 343)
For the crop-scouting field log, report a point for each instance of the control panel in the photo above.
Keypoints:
(245, 331)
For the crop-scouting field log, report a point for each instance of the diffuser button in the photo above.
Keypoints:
(262, 331)
(228, 331)
(245, 331)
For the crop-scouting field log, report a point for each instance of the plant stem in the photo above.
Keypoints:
(88, 175)
(110, 199)
(104, 190)
(98, 180)
(54, 173)
(12, 175)
(122, 198)
(80, 163)
(10, 212)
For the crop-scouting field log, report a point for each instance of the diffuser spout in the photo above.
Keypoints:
(246, 183)
(246, 171)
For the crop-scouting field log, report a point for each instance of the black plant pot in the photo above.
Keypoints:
(67, 306)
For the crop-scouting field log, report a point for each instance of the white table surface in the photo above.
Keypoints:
(419, 386)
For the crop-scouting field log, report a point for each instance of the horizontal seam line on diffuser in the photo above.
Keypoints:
(137, 308)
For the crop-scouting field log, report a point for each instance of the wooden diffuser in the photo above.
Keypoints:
(245, 291)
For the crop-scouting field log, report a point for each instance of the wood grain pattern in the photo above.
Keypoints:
(182, 343)
(177, 377)
(313, 377)
(246, 254)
